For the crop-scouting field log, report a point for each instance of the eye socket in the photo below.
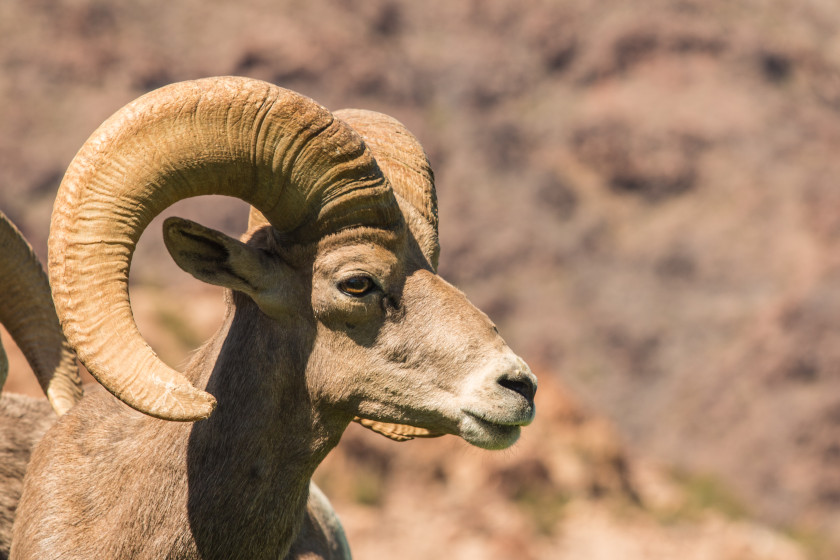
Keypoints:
(357, 286)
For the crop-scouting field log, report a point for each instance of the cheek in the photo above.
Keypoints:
(338, 314)
(338, 368)
(326, 305)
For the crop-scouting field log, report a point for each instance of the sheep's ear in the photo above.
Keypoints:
(215, 258)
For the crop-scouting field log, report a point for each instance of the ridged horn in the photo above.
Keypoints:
(27, 312)
(284, 154)
(405, 164)
(403, 161)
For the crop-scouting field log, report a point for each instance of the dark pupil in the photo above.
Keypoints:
(357, 285)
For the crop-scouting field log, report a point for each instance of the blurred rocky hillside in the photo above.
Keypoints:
(643, 196)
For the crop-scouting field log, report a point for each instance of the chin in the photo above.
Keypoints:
(486, 434)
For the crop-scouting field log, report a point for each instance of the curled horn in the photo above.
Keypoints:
(308, 173)
(26, 310)
(404, 163)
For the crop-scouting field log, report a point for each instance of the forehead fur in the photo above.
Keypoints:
(387, 238)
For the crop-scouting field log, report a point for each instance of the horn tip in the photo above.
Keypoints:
(183, 403)
(199, 406)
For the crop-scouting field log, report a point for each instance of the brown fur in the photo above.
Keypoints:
(23, 420)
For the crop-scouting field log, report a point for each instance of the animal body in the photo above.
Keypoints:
(26, 310)
(334, 313)
(23, 421)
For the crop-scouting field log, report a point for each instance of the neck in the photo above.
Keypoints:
(250, 463)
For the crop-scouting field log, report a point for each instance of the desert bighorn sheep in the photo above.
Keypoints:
(334, 312)
(26, 310)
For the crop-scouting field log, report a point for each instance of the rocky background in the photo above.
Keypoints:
(643, 196)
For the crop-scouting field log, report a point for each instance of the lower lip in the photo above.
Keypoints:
(501, 435)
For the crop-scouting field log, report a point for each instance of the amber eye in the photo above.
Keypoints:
(357, 286)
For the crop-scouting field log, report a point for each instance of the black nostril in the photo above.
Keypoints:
(524, 387)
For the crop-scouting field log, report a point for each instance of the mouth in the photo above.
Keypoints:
(481, 429)
(488, 433)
